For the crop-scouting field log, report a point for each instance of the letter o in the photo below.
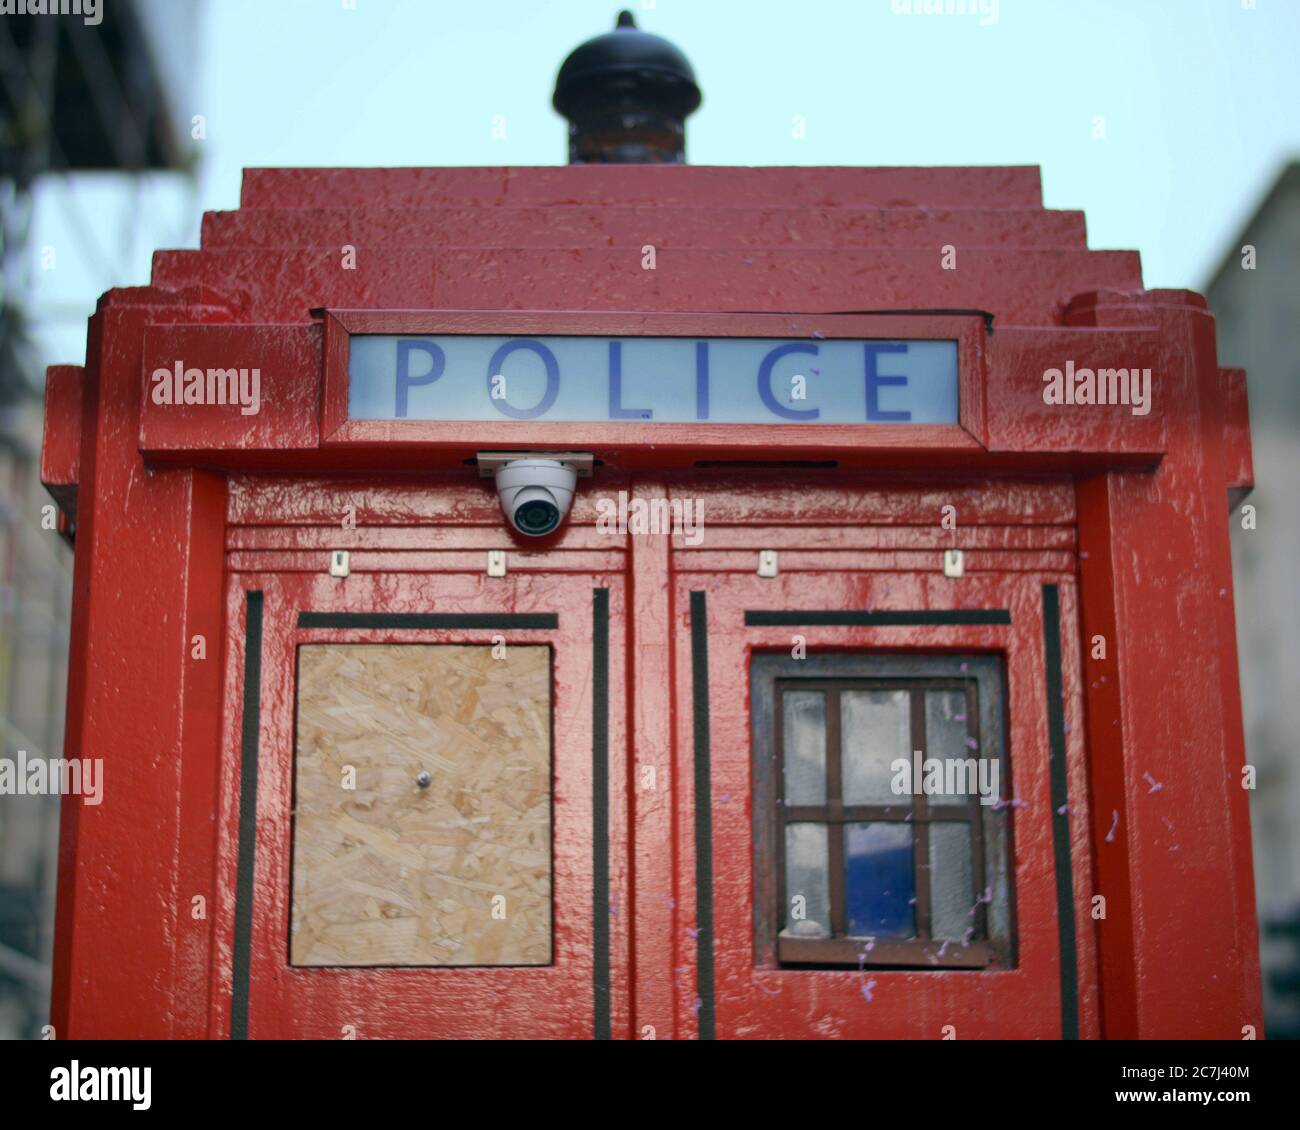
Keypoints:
(552, 379)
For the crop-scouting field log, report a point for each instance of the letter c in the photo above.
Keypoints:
(769, 399)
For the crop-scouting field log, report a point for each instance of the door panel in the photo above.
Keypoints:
(473, 903)
(1028, 621)
(436, 850)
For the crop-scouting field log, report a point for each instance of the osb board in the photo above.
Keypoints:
(389, 873)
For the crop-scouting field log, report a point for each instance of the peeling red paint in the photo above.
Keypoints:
(178, 514)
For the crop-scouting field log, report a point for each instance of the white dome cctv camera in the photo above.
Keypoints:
(535, 494)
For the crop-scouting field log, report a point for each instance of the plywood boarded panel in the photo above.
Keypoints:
(389, 873)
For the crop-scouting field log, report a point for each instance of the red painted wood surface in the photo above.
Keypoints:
(61, 442)
(305, 395)
(148, 576)
(602, 225)
(180, 513)
(1011, 187)
(756, 1000)
(1236, 434)
(272, 286)
(1169, 679)
(507, 1003)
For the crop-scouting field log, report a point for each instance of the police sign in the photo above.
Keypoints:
(652, 379)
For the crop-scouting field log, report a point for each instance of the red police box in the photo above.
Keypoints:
(859, 662)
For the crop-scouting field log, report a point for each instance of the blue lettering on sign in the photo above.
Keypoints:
(701, 380)
(616, 409)
(498, 393)
(765, 392)
(652, 380)
(872, 350)
(404, 381)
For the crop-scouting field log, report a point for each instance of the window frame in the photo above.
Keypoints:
(674, 444)
(981, 678)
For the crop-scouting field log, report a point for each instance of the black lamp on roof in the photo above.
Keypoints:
(627, 95)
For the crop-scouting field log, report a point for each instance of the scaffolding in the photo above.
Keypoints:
(75, 97)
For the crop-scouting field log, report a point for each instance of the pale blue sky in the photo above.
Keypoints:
(1200, 100)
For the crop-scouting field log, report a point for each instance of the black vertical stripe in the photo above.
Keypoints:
(1060, 813)
(703, 814)
(247, 817)
(600, 808)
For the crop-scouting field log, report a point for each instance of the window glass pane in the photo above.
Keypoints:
(874, 731)
(946, 735)
(879, 883)
(807, 878)
(805, 747)
(952, 890)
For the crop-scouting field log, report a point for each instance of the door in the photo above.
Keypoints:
(428, 829)
(424, 829)
(825, 893)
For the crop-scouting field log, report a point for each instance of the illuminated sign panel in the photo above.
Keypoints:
(672, 380)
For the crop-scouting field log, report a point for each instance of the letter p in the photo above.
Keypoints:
(405, 381)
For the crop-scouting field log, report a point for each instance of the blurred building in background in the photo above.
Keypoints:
(1255, 296)
(78, 101)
